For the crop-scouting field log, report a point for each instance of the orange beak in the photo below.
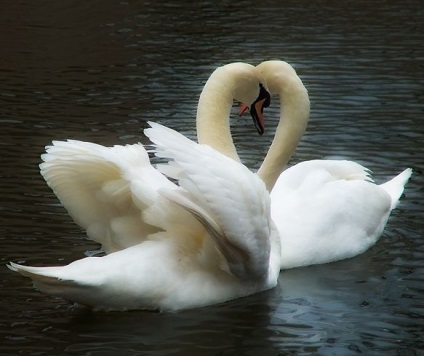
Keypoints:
(259, 119)
(257, 109)
(243, 109)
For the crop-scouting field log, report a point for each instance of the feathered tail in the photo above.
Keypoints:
(45, 279)
(395, 186)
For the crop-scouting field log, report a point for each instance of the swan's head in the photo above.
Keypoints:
(247, 88)
(276, 75)
(257, 109)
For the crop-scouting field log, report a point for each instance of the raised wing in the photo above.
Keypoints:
(104, 189)
(229, 200)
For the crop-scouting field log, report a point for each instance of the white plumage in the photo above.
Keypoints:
(208, 240)
(325, 210)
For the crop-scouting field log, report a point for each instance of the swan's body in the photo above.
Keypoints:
(208, 240)
(325, 210)
(328, 210)
(212, 248)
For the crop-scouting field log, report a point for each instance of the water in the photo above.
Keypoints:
(97, 71)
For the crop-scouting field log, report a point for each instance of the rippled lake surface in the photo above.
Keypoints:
(98, 70)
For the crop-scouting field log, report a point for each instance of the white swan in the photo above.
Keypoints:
(208, 241)
(325, 210)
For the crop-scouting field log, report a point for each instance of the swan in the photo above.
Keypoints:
(207, 240)
(106, 189)
(325, 210)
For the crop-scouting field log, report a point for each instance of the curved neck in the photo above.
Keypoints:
(294, 115)
(213, 116)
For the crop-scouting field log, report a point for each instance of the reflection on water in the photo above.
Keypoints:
(97, 72)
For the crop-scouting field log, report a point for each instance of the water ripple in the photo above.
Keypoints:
(98, 72)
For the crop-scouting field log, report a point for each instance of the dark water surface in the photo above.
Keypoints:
(98, 70)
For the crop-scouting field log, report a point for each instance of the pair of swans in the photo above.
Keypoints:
(218, 234)
(325, 210)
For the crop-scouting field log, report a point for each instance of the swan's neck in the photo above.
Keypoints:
(213, 114)
(294, 115)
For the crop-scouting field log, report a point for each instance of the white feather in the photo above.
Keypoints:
(218, 241)
(104, 189)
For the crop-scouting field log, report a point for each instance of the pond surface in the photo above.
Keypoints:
(97, 71)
